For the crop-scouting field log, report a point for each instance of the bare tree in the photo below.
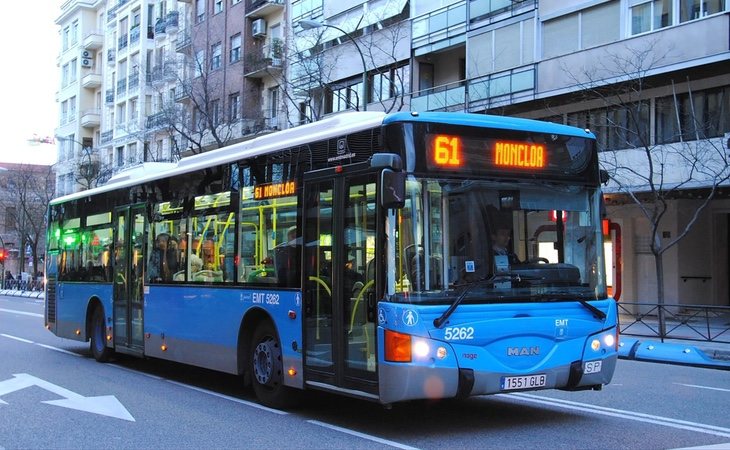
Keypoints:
(29, 191)
(89, 172)
(651, 174)
(192, 114)
(311, 77)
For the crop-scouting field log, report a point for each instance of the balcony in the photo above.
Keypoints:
(91, 118)
(172, 22)
(160, 29)
(93, 40)
(106, 137)
(182, 95)
(184, 43)
(447, 97)
(266, 62)
(91, 80)
(263, 8)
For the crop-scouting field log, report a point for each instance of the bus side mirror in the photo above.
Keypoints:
(392, 189)
(603, 176)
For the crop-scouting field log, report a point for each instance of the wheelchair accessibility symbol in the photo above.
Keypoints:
(410, 317)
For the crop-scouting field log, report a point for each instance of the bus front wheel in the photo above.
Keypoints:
(267, 369)
(99, 350)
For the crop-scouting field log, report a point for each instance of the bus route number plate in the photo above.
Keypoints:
(523, 382)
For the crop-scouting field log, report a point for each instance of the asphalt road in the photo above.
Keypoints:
(54, 395)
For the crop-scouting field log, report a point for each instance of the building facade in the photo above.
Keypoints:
(648, 77)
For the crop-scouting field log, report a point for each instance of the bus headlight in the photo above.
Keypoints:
(609, 340)
(421, 349)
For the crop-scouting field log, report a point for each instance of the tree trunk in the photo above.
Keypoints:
(660, 293)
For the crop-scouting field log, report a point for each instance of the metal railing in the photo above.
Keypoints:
(686, 322)
(23, 285)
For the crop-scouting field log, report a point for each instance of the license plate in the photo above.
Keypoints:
(592, 367)
(523, 382)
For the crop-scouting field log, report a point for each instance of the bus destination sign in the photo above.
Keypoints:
(454, 152)
(274, 190)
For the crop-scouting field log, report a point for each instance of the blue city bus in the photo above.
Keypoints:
(387, 257)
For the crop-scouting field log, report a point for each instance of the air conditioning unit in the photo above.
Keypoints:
(258, 28)
(87, 54)
(87, 62)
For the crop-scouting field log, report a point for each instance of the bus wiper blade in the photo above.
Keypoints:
(597, 313)
(437, 322)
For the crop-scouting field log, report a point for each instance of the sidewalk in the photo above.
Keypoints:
(636, 347)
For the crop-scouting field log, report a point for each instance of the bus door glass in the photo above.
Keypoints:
(339, 263)
(128, 277)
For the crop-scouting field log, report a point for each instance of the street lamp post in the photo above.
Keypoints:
(310, 24)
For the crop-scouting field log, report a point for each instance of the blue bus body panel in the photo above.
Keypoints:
(200, 325)
(489, 121)
(72, 304)
(497, 341)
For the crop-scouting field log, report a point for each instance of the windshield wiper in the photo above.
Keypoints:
(499, 276)
(437, 322)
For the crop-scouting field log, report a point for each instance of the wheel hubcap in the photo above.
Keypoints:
(263, 362)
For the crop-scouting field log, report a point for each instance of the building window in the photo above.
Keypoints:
(345, 98)
(234, 107)
(390, 83)
(616, 128)
(235, 52)
(120, 156)
(588, 28)
(652, 15)
(215, 56)
(704, 114)
(200, 10)
(199, 63)
(235, 2)
(694, 9)
(215, 112)
(217, 6)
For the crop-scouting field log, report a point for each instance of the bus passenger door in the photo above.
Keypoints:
(128, 279)
(339, 278)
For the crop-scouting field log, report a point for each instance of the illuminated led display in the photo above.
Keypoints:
(519, 154)
(273, 190)
(446, 150)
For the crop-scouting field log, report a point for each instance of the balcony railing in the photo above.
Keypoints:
(268, 59)
(106, 136)
(441, 97)
(262, 8)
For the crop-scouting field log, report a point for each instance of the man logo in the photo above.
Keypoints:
(523, 351)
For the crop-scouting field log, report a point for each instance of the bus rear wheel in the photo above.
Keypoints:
(99, 350)
(267, 369)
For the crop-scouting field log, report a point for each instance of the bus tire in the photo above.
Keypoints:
(98, 347)
(267, 369)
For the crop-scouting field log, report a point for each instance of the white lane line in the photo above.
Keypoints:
(703, 387)
(228, 397)
(17, 338)
(56, 349)
(50, 347)
(362, 435)
(22, 313)
(622, 414)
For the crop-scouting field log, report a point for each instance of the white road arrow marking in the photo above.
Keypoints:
(105, 405)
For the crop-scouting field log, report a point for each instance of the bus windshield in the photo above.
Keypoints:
(508, 242)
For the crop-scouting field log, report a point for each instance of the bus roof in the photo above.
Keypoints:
(330, 127)
(333, 126)
(489, 121)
